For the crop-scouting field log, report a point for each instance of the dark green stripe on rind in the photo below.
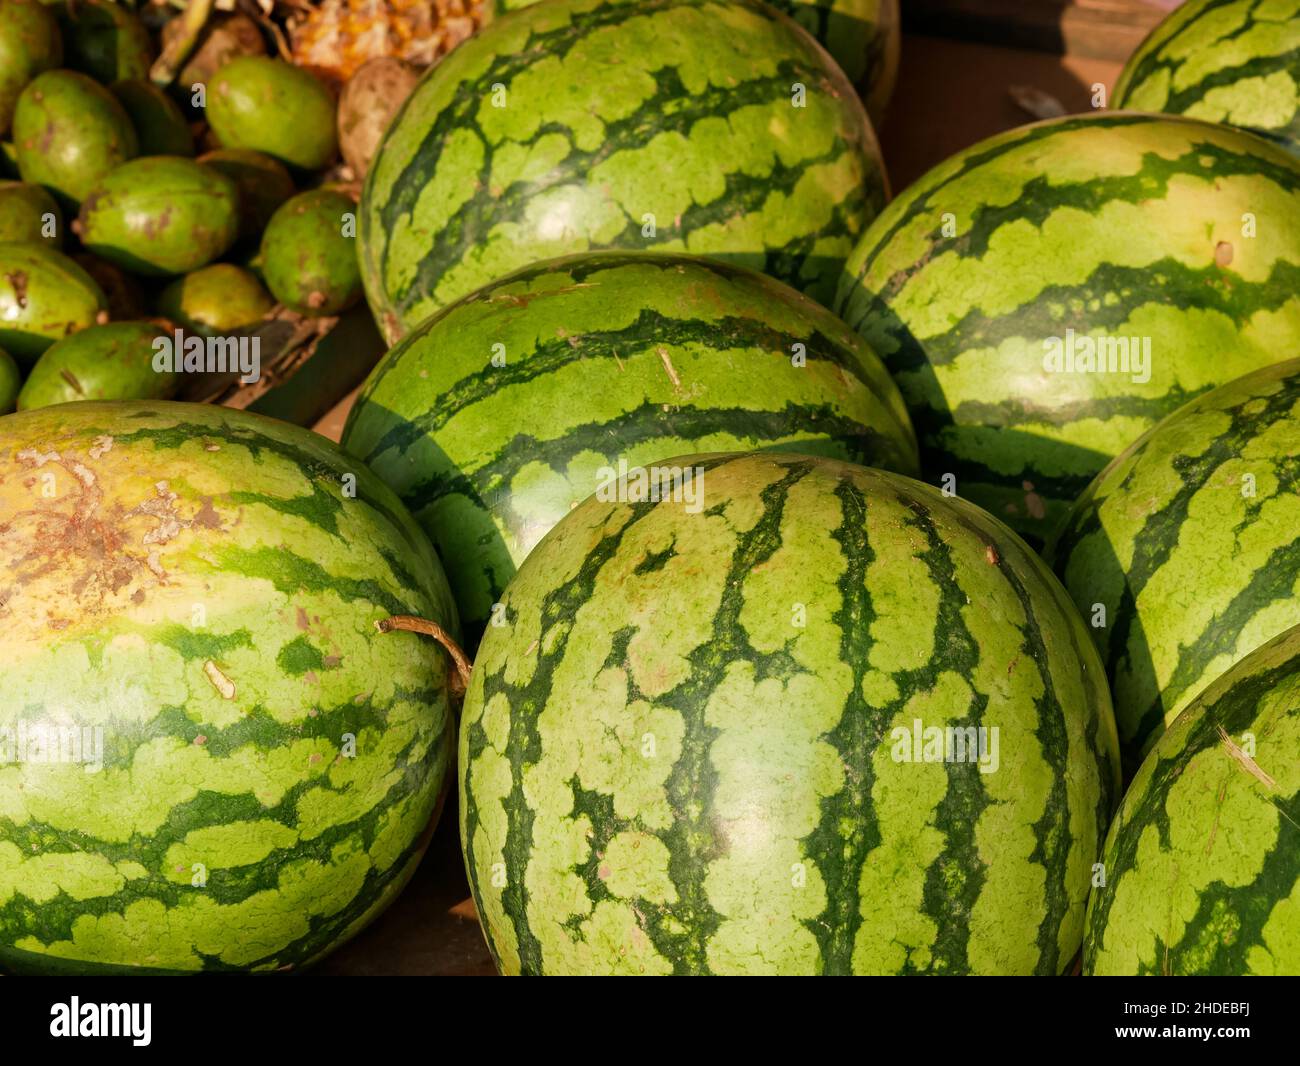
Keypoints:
(963, 280)
(186, 548)
(636, 621)
(953, 883)
(489, 165)
(1217, 480)
(1234, 61)
(1203, 861)
(497, 415)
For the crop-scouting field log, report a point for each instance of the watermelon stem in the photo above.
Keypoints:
(410, 623)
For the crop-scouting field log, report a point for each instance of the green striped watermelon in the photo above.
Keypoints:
(1233, 61)
(1161, 244)
(713, 127)
(691, 748)
(1202, 863)
(862, 36)
(501, 413)
(1185, 552)
(247, 769)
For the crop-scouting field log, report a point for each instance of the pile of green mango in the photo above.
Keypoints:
(134, 202)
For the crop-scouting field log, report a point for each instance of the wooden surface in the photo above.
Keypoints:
(332, 424)
(1105, 29)
(950, 95)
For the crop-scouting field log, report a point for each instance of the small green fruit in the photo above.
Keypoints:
(29, 45)
(161, 215)
(29, 213)
(158, 122)
(308, 260)
(273, 107)
(70, 132)
(44, 296)
(263, 184)
(104, 40)
(215, 300)
(110, 362)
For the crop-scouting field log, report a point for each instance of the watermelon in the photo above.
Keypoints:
(246, 768)
(1233, 61)
(1202, 864)
(1162, 250)
(862, 36)
(501, 413)
(719, 128)
(1184, 553)
(746, 739)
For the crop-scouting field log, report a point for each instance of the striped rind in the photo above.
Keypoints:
(1202, 863)
(1114, 225)
(1190, 544)
(676, 754)
(496, 417)
(1232, 61)
(863, 36)
(202, 585)
(579, 125)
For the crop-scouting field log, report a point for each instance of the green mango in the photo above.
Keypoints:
(263, 183)
(104, 40)
(308, 264)
(273, 107)
(11, 380)
(160, 215)
(44, 296)
(30, 44)
(215, 300)
(158, 122)
(70, 132)
(110, 362)
(25, 214)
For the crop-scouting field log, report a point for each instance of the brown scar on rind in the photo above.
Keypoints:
(18, 279)
(224, 686)
(1248, 764)
(161, 506)
(206, 517)
(668, 367)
